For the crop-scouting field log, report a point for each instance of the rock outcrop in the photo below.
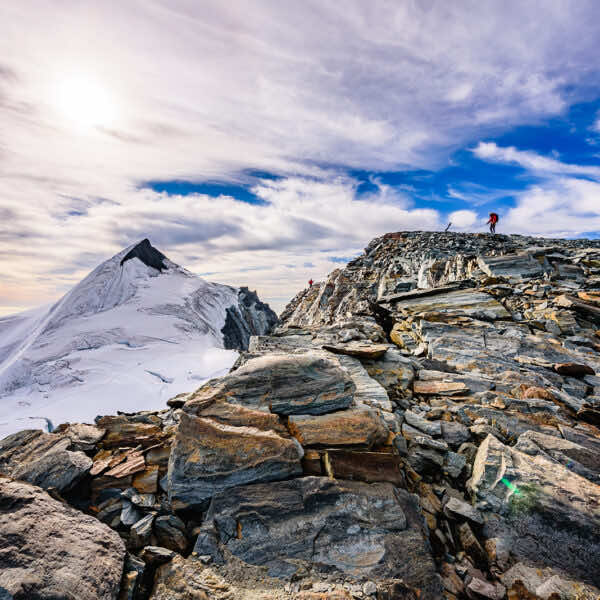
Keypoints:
(422, 424)
(49, 550)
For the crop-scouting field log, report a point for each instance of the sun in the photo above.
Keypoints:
(85, 103)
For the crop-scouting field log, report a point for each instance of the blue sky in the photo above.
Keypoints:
(265, 143)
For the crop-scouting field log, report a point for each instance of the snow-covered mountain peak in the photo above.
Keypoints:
(136, 331)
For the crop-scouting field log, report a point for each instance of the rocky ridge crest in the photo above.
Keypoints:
(422, 424)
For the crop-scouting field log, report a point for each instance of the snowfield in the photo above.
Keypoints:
(128, 337)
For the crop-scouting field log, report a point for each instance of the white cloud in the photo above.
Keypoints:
(463, 219)
(561, 207)
(533, 161)
(460, 93)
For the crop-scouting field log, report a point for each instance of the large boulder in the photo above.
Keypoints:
(49, 550)
(285, 384)
(544, 507)
(208, 457)
(357, 529)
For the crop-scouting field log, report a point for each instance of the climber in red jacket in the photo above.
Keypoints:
(310, 282)
(492, 222)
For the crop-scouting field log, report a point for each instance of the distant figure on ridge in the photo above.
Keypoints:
(492, 222)
(310, 282)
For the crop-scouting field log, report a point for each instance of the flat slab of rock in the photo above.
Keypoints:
(208, 457)
(356, 427)
(285, 384)
(49, 550)
(467, 303)
(357, 349)
(440, 388)
(355, 528)
(516, 266)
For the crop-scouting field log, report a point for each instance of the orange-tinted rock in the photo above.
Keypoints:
(208, 457)
(146, 482)
(122, 430)
(240, 416)
(134, 463)
(440, 388)
(536, 392)
(355, 427)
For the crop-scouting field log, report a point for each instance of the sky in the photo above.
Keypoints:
(264, 143)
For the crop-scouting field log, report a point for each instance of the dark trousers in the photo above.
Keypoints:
(492, 227)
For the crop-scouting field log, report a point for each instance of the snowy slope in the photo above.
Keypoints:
(128, 337)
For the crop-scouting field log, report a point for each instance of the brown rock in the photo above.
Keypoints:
(440, 388)
(471, 546)
(122, 430)
(240, 416)
(573, 369)
(359, 350)
(452, 582)
(133, 463)
(208, 457)
(311, 463)
(49, 550)
(536, 392)
(354, 427)
(146, 482)
(478, 589)
(366, 466)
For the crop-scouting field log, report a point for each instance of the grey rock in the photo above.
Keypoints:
(49, 550)
(425, 461)
(129, 514)
(170, 532)
(456, 509)
(454, 464)
(140, 532)
(57, 469)
(455, 433)
(544, 507)
(351, 527)
(283, 383)
(432, 428)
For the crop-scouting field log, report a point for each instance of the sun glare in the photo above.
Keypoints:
(85, 103)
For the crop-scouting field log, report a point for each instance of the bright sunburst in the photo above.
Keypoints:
(85, 103)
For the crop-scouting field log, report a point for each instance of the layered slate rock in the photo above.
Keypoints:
(453, 302)
(516, 266)
(208, 457)
(357, 427)
(354, 528)
(543, 503)
(43, 459)
(49, 550)
(284, 384)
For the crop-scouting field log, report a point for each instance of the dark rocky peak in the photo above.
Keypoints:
(148, 254)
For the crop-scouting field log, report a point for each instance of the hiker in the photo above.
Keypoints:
(310, 282)
(492, 222)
